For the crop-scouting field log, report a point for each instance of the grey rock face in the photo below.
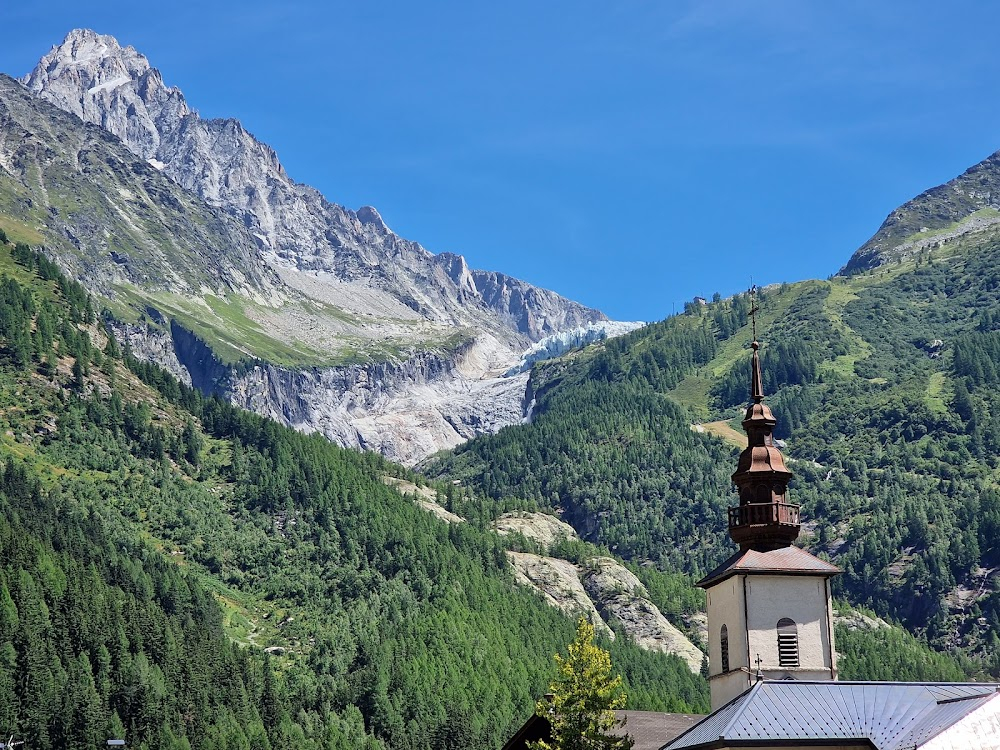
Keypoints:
(542, 528)
(111, 219)
(101, 82)
(619, 594)
(406, 410)
(968, 204)
(601, 590)
(153, 345)
(317, 276)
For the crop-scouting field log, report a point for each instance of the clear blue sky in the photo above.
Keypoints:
(629, 155)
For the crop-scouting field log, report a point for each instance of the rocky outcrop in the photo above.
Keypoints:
(424, 497)
(115, 87)
(558, 581)
(405, 410)
(150, 343)
(619, 594)
(853, 619)
(541, 528)
(601, 590)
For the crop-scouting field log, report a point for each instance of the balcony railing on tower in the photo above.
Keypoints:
(778, 522)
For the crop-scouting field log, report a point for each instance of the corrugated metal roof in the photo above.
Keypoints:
(892, 715)
(944, 715)
(782, 560)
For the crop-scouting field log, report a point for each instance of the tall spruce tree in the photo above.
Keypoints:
(582, 699)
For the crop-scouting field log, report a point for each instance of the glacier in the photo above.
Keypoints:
(560, 343)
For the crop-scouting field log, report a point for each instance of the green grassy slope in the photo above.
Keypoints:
(882, 387)
(148, 529)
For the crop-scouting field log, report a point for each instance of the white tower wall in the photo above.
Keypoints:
(750, 606)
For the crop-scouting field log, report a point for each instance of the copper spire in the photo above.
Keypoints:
(763, 520)
(756, 381)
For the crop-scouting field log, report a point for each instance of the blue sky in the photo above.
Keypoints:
(630, 155)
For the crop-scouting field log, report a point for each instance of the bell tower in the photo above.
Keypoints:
(769, 609)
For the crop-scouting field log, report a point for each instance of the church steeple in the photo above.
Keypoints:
(769, 609)
(763, 520)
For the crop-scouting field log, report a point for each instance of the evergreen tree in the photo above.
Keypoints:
(583, 696)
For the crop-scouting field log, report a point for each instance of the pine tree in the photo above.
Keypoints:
(583, 696)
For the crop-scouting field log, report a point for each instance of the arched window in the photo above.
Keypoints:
(788, 643)
(724, 644)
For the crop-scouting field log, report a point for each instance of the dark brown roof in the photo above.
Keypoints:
(787, 560)
(649, 730)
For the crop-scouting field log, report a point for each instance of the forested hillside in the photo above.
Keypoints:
(186, 574)
(884, 386)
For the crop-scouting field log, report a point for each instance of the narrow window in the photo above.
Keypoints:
(724, 643)
(788, 643)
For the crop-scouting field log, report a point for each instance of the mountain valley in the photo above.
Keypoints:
(274, 476)
(315, 315)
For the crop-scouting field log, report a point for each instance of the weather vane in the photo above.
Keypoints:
(754, 308)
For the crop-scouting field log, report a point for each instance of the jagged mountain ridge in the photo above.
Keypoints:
(129, 233)
(115, 221)
(348, 329)
(297, 229)
(968, 204)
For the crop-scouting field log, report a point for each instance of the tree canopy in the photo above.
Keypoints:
(582, 699)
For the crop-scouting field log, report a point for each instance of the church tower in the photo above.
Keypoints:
(769, 610)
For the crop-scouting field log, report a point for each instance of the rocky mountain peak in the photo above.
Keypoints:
(359, 333)
(368, 216)
(89, 51)
(297, 228)
(93, 77)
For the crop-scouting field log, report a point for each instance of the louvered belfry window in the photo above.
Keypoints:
(788, 643)
(724, 643)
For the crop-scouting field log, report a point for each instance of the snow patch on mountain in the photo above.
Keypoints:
(560, 343)
(109, 85)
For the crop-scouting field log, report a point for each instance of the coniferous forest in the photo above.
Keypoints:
(883, 384)
(185, 574)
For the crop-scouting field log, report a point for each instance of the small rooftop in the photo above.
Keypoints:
(784, 560)
(648, 729)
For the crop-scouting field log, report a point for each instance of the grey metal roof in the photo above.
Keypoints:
(891, 715)
(794, 560)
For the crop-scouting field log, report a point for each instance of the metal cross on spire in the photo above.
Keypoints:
(754, 308)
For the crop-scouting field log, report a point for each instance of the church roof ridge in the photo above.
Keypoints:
(785, 560)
